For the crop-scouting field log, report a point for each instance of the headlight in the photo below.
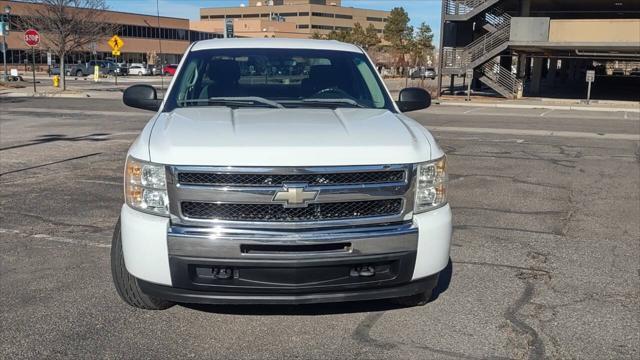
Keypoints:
(145, 187)
(431, 186)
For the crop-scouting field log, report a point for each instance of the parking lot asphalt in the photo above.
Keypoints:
(544, 262)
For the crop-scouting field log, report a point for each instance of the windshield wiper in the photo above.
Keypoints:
(235, 101)
(334, 102)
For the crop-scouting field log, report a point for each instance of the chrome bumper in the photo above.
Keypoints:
(295, 245)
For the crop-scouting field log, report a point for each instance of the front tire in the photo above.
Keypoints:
(127, 285)
(79, 73)
(419, 299)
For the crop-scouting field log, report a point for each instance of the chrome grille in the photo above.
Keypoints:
(349, 178)
(278, 213)
(243, 197)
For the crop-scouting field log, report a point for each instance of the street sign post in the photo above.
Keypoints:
(469, 78)
(32, 39)
(591, 77)
(116, 44)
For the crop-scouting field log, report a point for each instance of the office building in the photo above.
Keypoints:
(306, 17)
(143, 36)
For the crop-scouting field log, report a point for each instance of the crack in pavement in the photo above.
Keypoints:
(95, 229)
(362, 334)
(479, 263)
(536, 348)
(454, 177)
(466, 227)
(507, 211)
(58, 239)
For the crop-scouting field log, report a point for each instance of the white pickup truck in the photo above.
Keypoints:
(280, 172)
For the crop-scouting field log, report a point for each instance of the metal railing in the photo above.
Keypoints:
(501, 76)
(483, 45)
(462, 7)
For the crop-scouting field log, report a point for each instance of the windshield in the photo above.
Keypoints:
(279, 78)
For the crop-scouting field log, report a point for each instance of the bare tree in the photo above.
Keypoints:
(69, 25)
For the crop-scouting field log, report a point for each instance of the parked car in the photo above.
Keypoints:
(423, 73)
(635, 72)
(317, 213)
(169, 69)
(138, 69)
(87, 69)
(618, 72)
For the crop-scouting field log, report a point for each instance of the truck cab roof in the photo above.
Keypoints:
(270, 43)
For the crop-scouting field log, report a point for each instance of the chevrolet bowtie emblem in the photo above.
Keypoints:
(295, 196)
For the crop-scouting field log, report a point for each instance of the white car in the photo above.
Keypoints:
(138, 69)
(299, 182)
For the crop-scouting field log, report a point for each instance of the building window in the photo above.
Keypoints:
(216, 17)
(303, 14)
(204, 17)
(322, 14)
(343, 28)
(288, 14)
(234, 16)
(318, 2)
(251, 15)
(322, 27)
(341, 16)
(369, 18)
(303, 26)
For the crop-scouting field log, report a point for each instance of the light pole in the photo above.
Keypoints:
(5, 33)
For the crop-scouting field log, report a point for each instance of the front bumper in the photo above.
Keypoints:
(284, 266)
(200, 297)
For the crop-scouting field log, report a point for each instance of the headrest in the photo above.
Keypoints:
(223, 71)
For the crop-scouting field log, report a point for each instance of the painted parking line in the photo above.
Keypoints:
(546, 112)
(545, 133)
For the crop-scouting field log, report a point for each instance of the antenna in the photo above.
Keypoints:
(160, 45)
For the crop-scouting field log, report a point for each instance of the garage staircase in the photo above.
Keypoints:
(481, 53)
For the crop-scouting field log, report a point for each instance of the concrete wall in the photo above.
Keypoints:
(529, 29)
(595, 30)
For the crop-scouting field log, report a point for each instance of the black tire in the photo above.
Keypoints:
(79, 73)
(420, 299)
(127, 285)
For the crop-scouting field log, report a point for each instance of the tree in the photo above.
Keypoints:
(399, 33)
(358, 35)
(372, 38)
(317, 36)
(343, 35)
(422, 45)
(69, 25)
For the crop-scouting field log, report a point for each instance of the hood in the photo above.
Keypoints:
(220, 136)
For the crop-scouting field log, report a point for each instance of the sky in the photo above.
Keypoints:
(419, 10)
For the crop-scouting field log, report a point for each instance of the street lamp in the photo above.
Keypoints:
(5, 33)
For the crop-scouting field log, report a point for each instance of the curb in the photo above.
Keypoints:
(541, 106)
(57, 95)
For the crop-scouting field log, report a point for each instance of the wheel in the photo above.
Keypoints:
(68, 73)
(127, 285)
(414, 300)
(79, 73)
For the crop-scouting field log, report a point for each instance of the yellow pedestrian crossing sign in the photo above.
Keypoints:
(116, 43)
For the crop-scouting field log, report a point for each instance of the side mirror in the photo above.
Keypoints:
(141, 97)
(411, 99)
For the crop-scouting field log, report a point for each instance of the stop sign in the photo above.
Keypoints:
(32, 37)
